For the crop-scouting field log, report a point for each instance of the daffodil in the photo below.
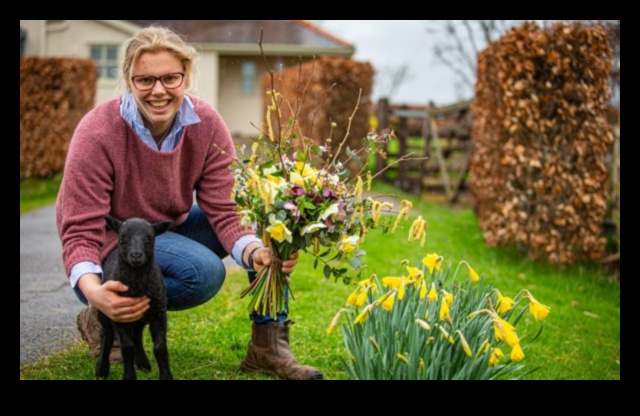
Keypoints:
(278, 230)
(415, 274)
(348, 244)
(537, 309)
(432, 261)
(517, 354)
(391, 282)
(423, 290)
(334, 321)
(448, 297)
(472, 273)
(362, 316)
(504, 331)
(445, 312)
(496, 354)
(463, 342)
(433, 295)
(504, 304)
(387, 305)
(446, 335)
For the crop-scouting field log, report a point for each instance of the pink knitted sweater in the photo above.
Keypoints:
(110, 170)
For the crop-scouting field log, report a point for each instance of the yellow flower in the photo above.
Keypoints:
(362, 316)
(504, 303)
(433, 295)
(387, 305)
(446, 335)
(358, 296)
(334, 321)
(464, 343)
(496, 354)
(537, 309)
(348, 244)
(472, 273)
(423, 290)
(448, 297)
(504, 331)
(432, 261)
(415, 273)
(516, 353)
(445, 312)
(278, 231)
(391, 282)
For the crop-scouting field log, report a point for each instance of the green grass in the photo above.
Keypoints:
(581, 340)
(38, 192)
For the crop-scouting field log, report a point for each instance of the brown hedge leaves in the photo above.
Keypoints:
(319, 104)
(541, 136)
(54, 95)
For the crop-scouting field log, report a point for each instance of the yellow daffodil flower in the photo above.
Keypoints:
(415, 274)
(537, 309)
(391, 282)
(278, 231)
(433, 295)
(423, 290)
(348, 244)
(463, 342)
(445, 312)
(432, 261)
(446, 335)
(334, 321)
(504, 331)
(448, 297)
(504, 303)
(472, 273)
(403, 359)
(496, 354)
(387, 305)
(517, 354)
(362, 316)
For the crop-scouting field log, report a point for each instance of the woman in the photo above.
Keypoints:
(145, 154)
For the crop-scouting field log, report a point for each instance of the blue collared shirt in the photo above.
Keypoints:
(185, 116)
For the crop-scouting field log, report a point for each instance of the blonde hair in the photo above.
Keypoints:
(155, 39)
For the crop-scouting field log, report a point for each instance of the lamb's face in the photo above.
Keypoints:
(136, 240)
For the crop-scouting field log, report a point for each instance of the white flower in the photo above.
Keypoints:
(332, 209)
(312, 228)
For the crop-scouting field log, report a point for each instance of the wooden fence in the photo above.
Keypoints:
(441, 134)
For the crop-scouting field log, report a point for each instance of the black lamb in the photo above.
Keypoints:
(132, 263)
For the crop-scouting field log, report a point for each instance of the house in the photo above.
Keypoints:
(231, 66)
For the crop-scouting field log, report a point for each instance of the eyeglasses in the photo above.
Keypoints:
(147, 82)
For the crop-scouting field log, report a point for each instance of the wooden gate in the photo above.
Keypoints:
(442, 134)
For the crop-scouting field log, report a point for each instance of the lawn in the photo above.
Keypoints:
(581, 339)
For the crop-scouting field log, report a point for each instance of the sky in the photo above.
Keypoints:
(388, 44)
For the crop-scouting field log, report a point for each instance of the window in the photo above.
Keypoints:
(106, 57)
(248, 77)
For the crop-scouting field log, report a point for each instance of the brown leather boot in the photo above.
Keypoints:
(269, 353)
(89, 327)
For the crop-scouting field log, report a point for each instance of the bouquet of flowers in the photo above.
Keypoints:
(297, 195)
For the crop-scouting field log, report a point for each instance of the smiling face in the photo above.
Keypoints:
(159, 105)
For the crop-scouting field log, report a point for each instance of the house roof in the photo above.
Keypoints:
(242, 36)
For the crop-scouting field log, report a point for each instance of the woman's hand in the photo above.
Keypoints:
(106, 298)
(262, 258)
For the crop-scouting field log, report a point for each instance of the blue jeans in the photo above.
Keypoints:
(190, 258)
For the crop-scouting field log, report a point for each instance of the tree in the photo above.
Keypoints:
(458, 43)
(390, 78)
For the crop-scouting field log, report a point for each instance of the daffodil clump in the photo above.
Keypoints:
(427, 324)
(297, 195)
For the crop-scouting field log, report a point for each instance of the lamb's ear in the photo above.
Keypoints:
(113, 223)
(162, 226)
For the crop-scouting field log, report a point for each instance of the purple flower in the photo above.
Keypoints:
(328, 193)
(294, 210)
(297, 190)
